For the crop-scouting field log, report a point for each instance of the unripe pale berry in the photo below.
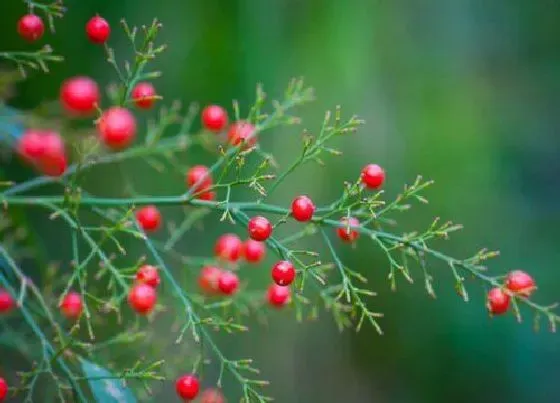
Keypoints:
(212, 396)
(7, 302)
(208, 279)
(498, 301)
(254, 251)
(214, 118)
(187, 387)
(303, 208)
(117, 128)
(148, 274)
(259, 228)
(72, 305)
(79, 95)
(348, 234)
(278, 295)
(228, 247)
(283, 273)
(149, 218)
(31, 27)
(242, 132)
(142, 298)
(98, 30)
(3, 389)
(143, 95)
(520, 283)
(228, 282)
(373, 176)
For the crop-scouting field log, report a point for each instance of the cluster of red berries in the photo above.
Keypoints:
(142, 296)
(517, 283)
(215, 119)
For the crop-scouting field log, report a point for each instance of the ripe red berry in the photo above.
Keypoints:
(242, 132)
(187, 387)
(214, 118)
(31, 27)
(347, 234)
(142, 298)
(98, 30)
(52, 160)
(7, 302)
(208, 279)
(259, 228)
(283, 272)
(254, 251)
(228, 282)
(373, 176)
(212, 396)
(520, 282)
(3, 389)
(207, 196)
(30, 145)
(148, 274)
(72, 305)
(228, 247)
(278, 295)
(149, 218)
(303, 208)
(143, 95)
(199, 178)
(79, 95)
(498, 301)
(117, 128)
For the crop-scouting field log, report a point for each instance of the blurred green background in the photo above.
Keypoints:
(464, 92)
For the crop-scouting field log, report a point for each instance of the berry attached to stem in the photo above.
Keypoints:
(520, 283)
(228, 282)
(373, 176)
(303, 208)
(31, 27)
(98, 30)
(346, 233)
(498, 301)
(278, 295)
(283, 273)
(79, 96)
(7, 302)
(254, 251)
(117, 128)
(214, 118)
(142, 298)
(72, 305)
(144, 95)
(242, 132)
(149, 218)
(148, 274)
(259, 228)
(228, 247)
(208, 279)
(187, 387)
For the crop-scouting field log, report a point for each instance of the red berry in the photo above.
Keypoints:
(72, 305)
(31, 27)
(373, 176)
(79, 95)
(228, 282)
(278, 295)
(228, 247)
(521, 283)
(498, 301)
(3, 389)
(30, 145)
(242, 132)
(148, 274)
(142, 298)
(187, 387)
(52, 161)
(143, 95)
(254, 251)
(303, 208)
(207, 196)
(208, 279)
(7, 302)
(199, 178)
(259, 228)
(212, 396)
(347, 234)
(214, 118)
(149, 218)
(117, 128)
(283, 272)
(98, 30)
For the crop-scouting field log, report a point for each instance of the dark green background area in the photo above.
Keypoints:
(463, 92)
